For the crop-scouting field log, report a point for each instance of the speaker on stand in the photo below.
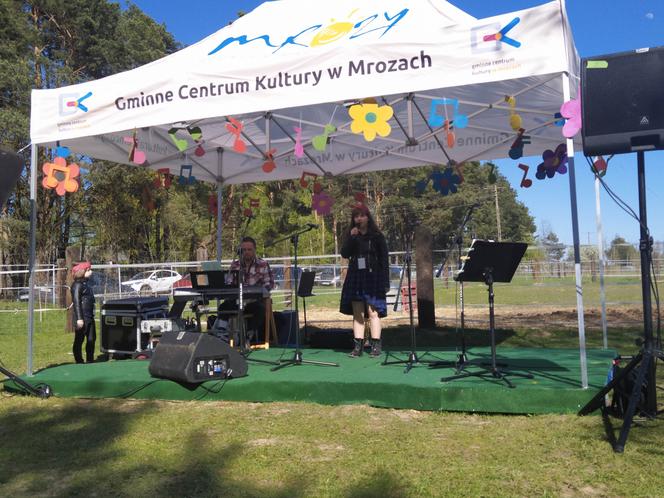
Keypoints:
(622, 106)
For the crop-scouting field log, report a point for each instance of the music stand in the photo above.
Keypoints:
(304, 291)
(297, 358)
(491, 262)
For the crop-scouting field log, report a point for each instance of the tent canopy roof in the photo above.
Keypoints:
(297, 64)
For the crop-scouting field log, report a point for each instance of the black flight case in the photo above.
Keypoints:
(121, 323)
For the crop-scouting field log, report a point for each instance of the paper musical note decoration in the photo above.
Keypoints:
(553, 162)
(571, 111)
(304, 183)
(61, 151)
(253, 204)
(163, 179)
(235, 127)
(599, 166)
(319, 142)
(60, 176)
(515, 119)
(371, 120)
(186, 180)
(516, 150)
(559, 120)
(180, 143)
(525, 182)
(135, 156)
(269, 166)
(436, 120)
(212, 204)
(299, 148)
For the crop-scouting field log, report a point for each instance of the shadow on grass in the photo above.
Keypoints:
(381, 484)
(79, 450)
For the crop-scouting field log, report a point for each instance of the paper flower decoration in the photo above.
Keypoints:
(552, 162)
(322, 203)
(445, 182)
(571, 111)
(60, 176)
(371, 119)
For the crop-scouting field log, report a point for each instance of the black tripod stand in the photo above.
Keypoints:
(462, 357)
(297, 356)
(491, 262)
(647, 357)
(41, 390)
(405, 270)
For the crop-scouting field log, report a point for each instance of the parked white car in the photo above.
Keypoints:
(154, 281)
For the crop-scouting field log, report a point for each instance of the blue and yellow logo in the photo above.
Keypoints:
(379, 24)
(70, 103)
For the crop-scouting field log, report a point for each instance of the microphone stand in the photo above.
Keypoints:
(406, 269)
(462, 358)
(297, 356)
(244, 350)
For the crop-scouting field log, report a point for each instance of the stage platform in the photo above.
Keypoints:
(555, 388)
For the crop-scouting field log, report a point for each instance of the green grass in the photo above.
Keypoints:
(69, 447)
(523, 291)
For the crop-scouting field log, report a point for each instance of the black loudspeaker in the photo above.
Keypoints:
(622, 102)
(194, 357)
(11, 167)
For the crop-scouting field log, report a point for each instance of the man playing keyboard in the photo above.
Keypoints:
(254, 272)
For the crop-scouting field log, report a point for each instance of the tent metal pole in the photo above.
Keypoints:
(220, 198)
(577, 251)
(601, 261)
(33, 248)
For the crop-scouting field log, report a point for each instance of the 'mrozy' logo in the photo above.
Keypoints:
(70, 103)
(328, 34)
(480, 35)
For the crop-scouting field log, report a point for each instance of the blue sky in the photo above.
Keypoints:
(599, 27)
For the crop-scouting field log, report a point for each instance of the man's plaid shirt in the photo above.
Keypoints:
(258, 273)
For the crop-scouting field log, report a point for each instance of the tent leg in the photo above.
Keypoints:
(601, 262)
(220, 198)
(577, 251)
(33, 248)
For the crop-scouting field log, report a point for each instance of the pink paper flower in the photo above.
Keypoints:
(571, 111)
(322, 203)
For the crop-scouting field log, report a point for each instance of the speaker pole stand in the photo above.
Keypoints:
(647, 358)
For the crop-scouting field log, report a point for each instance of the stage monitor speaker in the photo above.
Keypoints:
(623, 102)
(194, 357)
(11, 167)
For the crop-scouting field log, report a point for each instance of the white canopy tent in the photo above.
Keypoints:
(300, 64)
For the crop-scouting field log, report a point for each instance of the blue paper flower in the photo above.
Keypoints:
(445, 182)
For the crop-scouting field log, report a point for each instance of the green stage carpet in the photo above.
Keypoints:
(555, 388)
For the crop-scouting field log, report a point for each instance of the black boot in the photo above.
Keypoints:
(376, 348)
(357, 349)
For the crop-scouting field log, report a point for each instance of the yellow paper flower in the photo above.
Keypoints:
(371, 119)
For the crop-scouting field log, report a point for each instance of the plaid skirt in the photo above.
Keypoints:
(365, 286)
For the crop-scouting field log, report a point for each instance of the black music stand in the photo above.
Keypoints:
(304, 291)
(491, 262)
(297, 358)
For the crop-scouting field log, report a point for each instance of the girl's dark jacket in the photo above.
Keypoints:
(83, 299)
